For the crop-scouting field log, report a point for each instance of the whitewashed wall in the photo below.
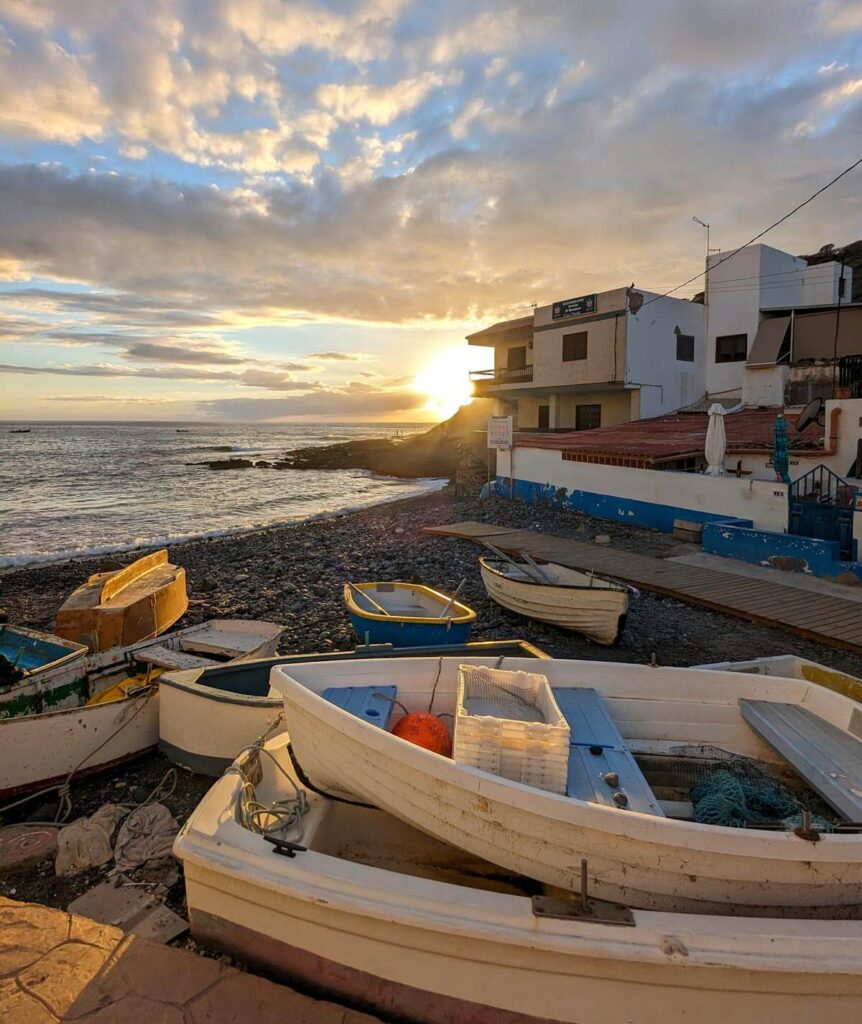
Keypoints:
(762, 501)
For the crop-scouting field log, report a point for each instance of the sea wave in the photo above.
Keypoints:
(10, 562)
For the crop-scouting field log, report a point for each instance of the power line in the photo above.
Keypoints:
(765, 231)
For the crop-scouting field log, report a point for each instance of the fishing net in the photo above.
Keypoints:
(740, 798)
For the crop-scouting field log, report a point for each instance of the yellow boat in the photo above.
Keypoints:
(115, 609)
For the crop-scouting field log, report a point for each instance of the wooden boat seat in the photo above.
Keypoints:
(827, 758)
(167, 657)
(602, 769)
(373, 704)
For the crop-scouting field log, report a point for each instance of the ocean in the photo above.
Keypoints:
(75, 489)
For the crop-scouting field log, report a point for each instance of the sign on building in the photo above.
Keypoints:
(500, 432)
(574, 307)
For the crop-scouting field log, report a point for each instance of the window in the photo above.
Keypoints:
(731, 348)
(544, 417)
(588, 417)
(685, 348)
(516, 358)
(574, 346)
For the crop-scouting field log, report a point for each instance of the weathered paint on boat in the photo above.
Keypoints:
(55, 671)
(115, 609)
(634, 858)
(579, 601)
(392, 937)
(39, 749)
(792, 667)
(209, 715)
(414, 615)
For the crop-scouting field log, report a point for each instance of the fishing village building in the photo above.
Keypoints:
(610, 396)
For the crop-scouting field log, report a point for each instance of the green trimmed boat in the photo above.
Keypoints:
(39, 672)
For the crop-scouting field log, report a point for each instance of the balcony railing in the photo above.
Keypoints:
(489, 378)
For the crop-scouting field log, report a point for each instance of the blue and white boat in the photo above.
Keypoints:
(406, 615)
(38, 670)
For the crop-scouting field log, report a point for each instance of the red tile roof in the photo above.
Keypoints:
(645, 442)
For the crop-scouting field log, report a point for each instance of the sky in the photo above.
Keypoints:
(276, 210)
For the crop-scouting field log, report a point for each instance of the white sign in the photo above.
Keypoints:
(500, 432)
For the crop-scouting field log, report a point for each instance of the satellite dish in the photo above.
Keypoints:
(810, 414)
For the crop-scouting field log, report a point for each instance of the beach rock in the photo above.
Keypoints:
(230, 464)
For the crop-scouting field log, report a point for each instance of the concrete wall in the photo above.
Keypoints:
(606, 345)
(666, 383)
(642, 497)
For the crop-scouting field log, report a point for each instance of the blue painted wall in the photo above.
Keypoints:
(737, 539)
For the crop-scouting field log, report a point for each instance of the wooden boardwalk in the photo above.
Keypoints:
(830, 620)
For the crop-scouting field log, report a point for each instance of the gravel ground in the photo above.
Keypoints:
(295, 575)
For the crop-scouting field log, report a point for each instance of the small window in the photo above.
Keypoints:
(574, 346)
(517, 358)
(731, 348)
(841, 286)
(685, 348)
(588, 417)
(544, 417)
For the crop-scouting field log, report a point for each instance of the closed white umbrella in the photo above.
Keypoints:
(716, 442)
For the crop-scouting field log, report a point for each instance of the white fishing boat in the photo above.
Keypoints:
(387, 918)
(208, 715)
(115, 716)
(791, 666)
(681, 725)
(580, 601)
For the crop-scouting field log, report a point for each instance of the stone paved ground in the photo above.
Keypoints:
(56, 966)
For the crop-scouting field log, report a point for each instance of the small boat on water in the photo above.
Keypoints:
(119, 608)
(26, 430)
(38, 669)
(406, 615)
(638, 737)
(568, 598)
(113, 714)
(366, 909)
(790, 666)
(208, 715)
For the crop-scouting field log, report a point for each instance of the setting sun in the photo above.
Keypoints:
(446, 382)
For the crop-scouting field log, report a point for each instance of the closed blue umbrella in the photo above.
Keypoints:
(780, 452)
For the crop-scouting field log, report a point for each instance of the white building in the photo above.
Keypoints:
(755, 303)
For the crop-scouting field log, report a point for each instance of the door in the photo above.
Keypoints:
(544, 417)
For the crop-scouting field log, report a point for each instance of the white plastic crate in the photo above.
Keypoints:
(508, 724)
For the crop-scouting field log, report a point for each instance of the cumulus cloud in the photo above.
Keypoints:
(381, 104)
(353, 357)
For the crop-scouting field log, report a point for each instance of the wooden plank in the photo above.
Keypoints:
(167, 657)
(829, 759)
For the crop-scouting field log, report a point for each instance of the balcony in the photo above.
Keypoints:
(483, 380)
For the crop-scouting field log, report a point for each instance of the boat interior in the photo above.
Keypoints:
(405, 601)
(28, 649)
(667, 738)
(550, 573)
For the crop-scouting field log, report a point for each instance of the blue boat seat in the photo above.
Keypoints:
(602, 769)
(373, 704)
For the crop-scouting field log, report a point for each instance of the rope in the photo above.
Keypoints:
(306, 781)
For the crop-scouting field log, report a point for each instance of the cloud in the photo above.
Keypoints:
(382, 104)
(322, 404)
(352, 357)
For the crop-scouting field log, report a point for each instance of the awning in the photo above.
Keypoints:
(814, 334)
(768, 341)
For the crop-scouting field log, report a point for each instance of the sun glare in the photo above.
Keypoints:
(446, 382)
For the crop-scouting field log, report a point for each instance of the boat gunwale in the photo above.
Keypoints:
(468, 615)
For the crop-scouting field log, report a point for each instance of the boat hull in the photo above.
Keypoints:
(204, 725)
(403, 633)
(633, 858)
(789, 666)
(120, 608)
(598, 614)
(40, 750)
(416, 949)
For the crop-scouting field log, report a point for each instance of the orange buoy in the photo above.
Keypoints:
(425, 730)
